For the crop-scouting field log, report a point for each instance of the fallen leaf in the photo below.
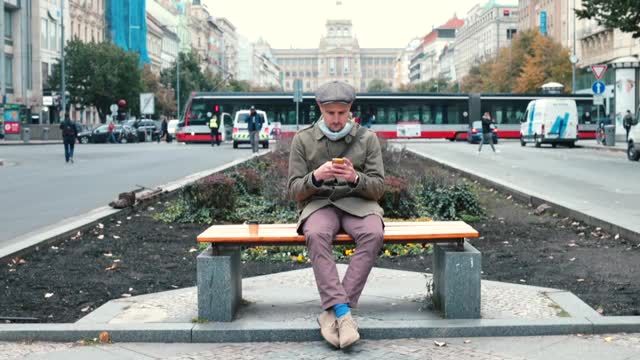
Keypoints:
(598, 228)
(105, 337)
(125, 295)
(174, 286)
(505, 242)
(523, 280)
(572, 259)
(100, 226)
(608, 339)
(509, 197)
(572, 245)
(117, 260)
(150, 208)
(100, 237)
(193, 250)
(85, 309)
(580, 280)
(128, 217)
(119, 222)
(48, 295)
(116, 237)
(54, 248)
(108, 254)
(112, 267)
(600, 310)
(440, 343)
(130, 289)
(467, 341)
(617, 236)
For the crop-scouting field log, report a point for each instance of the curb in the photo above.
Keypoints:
(603, 148)
(277, 331)
(71, 226)
(30, 143)
(534, 200)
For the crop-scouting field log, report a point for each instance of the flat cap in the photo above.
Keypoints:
(335, 92)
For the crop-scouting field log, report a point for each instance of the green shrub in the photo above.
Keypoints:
(398, 200)
(444, 201)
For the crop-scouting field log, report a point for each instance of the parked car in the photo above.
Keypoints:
(145, 127)
(122, 133)
(240, 132)
(474, 134)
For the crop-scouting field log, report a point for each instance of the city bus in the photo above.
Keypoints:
(390, 115)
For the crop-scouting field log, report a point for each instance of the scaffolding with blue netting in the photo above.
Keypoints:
(128, 27)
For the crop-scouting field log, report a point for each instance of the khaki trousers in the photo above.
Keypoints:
(320, 230)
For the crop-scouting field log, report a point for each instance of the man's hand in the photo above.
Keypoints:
(324, 172)
(345, 171)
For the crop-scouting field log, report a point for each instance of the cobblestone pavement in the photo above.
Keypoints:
(611, 347)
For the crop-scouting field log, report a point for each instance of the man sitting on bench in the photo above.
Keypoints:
(336, 176)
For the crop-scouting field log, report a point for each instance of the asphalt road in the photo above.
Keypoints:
(603, 184)
(38, 189)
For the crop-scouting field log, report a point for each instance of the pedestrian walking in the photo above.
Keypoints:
(164, 130)
(69, 136)
(255, 122)
(110, 128)
(341, 193)
(487, 135)
(627, 122)
(213, 126)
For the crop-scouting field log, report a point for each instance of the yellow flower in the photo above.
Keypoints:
(386, 252)
(300, 258)
(349, 252)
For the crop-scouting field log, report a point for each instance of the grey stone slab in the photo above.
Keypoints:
(222, 332)
(613, 324)
(578, 348)
(456, 281)
(104, 313)
(219, 284)
(100, 352)
(572, 304)
(75, 332)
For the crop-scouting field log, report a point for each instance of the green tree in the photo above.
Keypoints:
(191, 77)
(531, 61)
(99, 74)
(377, 85)
(617, 14)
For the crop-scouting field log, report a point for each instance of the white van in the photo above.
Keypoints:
(240, 134)
(550, 121)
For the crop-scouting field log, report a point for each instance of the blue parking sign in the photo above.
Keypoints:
(598, 87)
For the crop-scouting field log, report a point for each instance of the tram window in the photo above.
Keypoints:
(409, 113)
(454, 115)
(439, 114)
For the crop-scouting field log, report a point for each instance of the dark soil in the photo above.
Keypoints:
(516, 247)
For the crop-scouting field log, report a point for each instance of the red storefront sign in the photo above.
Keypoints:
(12, 128)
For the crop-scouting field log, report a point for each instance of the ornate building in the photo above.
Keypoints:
(338, 57)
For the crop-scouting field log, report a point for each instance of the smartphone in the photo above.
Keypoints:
(338, 161)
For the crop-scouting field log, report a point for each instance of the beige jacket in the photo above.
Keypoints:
(311, 148)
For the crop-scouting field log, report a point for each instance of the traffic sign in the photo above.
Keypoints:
(147, 103)
(598, 87)
(598, 100)
(598, 70)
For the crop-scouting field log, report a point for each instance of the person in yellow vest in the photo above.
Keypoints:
(213, 126)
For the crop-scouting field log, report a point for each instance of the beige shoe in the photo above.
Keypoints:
(329, 327)
(348, 331)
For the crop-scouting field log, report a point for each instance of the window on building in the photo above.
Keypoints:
(346, 66)
(511, 33)
(332, 66)
(8, 71)
(8, 28)
(44, 34)
(53, 36)
(45, 75)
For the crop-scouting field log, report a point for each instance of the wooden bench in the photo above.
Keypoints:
(456, 265)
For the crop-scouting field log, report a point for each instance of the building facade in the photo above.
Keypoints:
(154, 43)
(229, 48)
(338, 57)
(551, 18)
(487, 28)
(424, 63)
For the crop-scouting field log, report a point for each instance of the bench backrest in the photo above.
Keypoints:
(285, 234)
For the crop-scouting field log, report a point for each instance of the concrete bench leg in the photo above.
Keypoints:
(219, 284)
(456, 281)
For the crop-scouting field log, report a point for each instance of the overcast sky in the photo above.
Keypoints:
(300, 23)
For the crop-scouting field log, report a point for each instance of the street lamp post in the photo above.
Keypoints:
(63, 85)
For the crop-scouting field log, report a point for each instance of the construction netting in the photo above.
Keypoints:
(128, 27)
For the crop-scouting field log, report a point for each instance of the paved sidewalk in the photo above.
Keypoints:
(31, 142)
(593, 144)
(569, 347)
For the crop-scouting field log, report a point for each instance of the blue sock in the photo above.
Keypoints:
(341, 310)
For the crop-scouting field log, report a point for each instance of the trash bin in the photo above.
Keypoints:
(45, 133)
(26, 134)
(610, 135)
